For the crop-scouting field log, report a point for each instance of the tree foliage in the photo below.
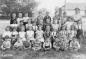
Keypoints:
(16, 6)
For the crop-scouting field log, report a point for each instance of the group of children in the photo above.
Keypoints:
(41, 33)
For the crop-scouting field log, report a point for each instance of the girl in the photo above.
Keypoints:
(14, 36)
(56, 45)
(20, 18)
(20, 26)
(18, 44)
(73, 31)
(34, 26)
(47, 45)
(47, 33)
(39, 34)
(6, 44)
(13, 19)
(7, 32)
(55, 25)
(74, 45)
(69, 23)
(30, 35)
(36, 45)
(26, 18)
(28, 25)
(40, 19)
(22, 34)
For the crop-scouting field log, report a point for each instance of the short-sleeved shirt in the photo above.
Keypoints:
(19, 19)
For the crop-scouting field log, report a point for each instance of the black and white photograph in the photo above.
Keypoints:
(42, 29)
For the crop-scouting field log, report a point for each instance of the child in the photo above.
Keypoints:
(39, 34)
(47, 45)
(13, 19)
(79, 31)
(18, 44)
(14, 36)
(40, 22)
(7, 32)
(48, 21)
(73, 31)
(55, 25)
(36, 45)
(26, 18)
(56, 45)
(21, 26)
(6, 44)
(47, 33)
(22, 34)
(63, 32)
(20, 18)
(69, 23)
(28, 25)
(34, 26)
(74, 45)
(30, 35)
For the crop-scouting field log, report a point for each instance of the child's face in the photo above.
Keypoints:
(20, 15)
(77, 11)
(7, 29)
(26, 14)
(13, 15)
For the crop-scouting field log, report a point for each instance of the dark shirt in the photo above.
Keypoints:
(13, 21)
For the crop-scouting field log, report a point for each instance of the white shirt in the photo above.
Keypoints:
(15, 33)
(39, 34)
(7, 33)
(30, 34)
(6, 44)
(19, 19)
(55, 26)
(26, 19)
(22, 34)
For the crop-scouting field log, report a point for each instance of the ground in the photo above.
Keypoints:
(29, 54)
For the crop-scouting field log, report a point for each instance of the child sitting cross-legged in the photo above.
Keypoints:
(74, 45)
(7, 32)
(18, 44)
(47, 45)
(36, 45)
(6, 45)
